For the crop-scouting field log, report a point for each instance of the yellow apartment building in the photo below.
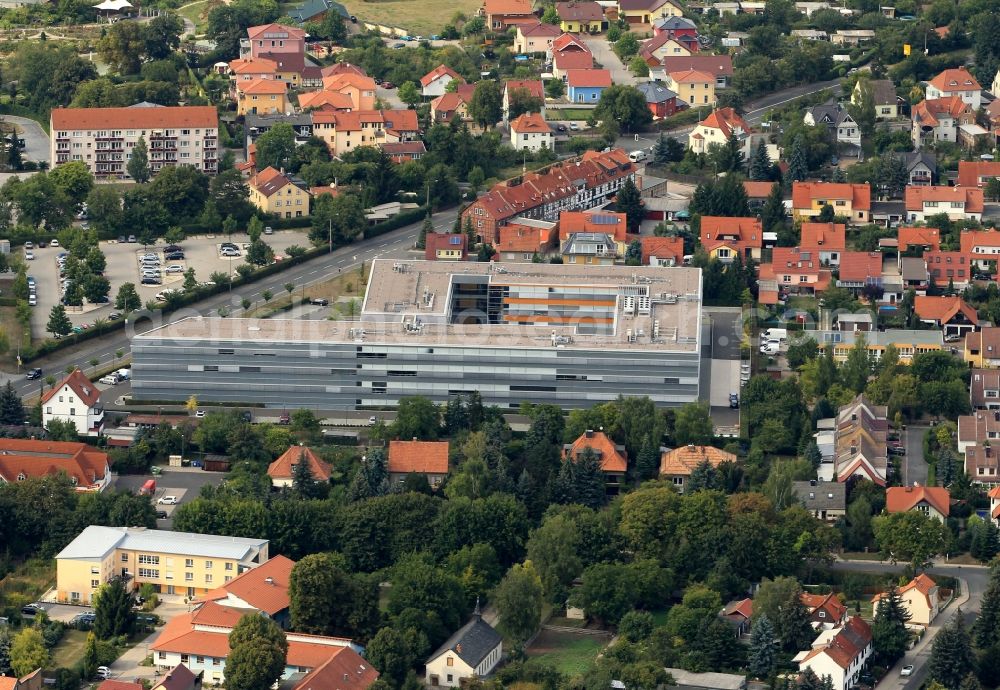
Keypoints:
(173, 562)
(693, 87)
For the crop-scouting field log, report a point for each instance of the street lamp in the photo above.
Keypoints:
(428, 202)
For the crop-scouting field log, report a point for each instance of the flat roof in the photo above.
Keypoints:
(95, 542)
(409, 303)
(879, 338)
(719, 681)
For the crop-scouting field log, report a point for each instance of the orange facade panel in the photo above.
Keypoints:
(558, 302)
(543, 318)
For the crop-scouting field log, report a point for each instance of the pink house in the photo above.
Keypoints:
(273, 39)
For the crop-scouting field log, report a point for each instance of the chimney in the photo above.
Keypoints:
(691, 447)
(458, 648)
(269, 580)
(589, 433)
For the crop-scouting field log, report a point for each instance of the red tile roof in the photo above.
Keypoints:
(899, 499)
(566, 41)
(928, 113)
(574, 62)
(194, 116)
(343, 80)
(803, 194)
(264, 587)
(291, 31)
(530, 123)
(180, 677)
(662, 248)
(956, 79)
(727, 121)
(847, 645)
(577, 11)
(343, 68)
(681, 462)
(692, 76)
(717, 65)
(971, 172)
(539, 29)
(740, 233)
(970, 240)
(216, 615)
(262, 86)
(325, 99)
(743, 608)
(437, 73)
(609, 222)
(515, 237)
(921, 583)
(942, 309)
(824, 236)
(345, 670)
(828, 603)
(507, 7)
(919, 237)
(858, 267)
(447, 103)
(269, 181)
(534, 87)
(110, 684)
(613, 458)
(445, 240)
(283, 467)
(253, 65)
(972, 197)
(80, 385)
(758, 190)
(422, 457)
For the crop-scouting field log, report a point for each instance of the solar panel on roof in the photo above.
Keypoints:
(454, 240)
(603, 220)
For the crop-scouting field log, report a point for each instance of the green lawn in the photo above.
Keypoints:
(69, 650)
(197, 12)
(568, 114)
(27, 582)
(568, 653)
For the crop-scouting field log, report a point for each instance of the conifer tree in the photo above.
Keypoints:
(951, 655)
(760, 163)
(798, 163)
(889, 631)
(763, 649)
(987, 626)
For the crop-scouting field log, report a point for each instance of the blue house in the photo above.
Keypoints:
(587, 85)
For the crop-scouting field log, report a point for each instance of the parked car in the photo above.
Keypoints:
(897, 450)
(229, 251)
(906, 670)
(151, 280)
(114, 316)
(131, 239)
(284, 418)
(373, 420)
(54, 243)
(574, 126)
(320, 301)
(174, 256)
(167, 501)
(110, 380)
(268, 230)
(174, 268)
(231, 245)
(30, 609)
(173, 248)
(34, 374)
(29, 245)
(121, 239)
(32, 300)
(560, 128)
(161, 515)
(103, 672)
(199, 414)
(29, 256)
(734, 401)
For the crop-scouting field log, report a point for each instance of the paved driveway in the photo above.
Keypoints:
(36, 141)
(914, 466)
(603, 54)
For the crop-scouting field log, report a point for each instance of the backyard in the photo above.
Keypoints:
(567, 652)
(69, 651)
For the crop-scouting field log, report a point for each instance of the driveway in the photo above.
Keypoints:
(36, 141)
(914, 465)
(603, 54)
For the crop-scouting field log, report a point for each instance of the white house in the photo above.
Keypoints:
(956, 82)
(435, 83)
(75, 399)
(840, 653)
(717, 128)
(474, 650)
(835, 117)
(530, 131)
(920, 598)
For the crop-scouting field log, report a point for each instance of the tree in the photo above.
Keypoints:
(326, 599)
(909, 536)
(258, 650)
(986, 629)
(693, 425)
(276, 146)
(59, 324)
(122, 46)
(780, 600)
(519, 602)
(763, 651)
(826, 214)
(113, 614)
(625, 105)
(28, 652)
(760, 163)
(127, 298)
(409, 93)
(260, 254)
(90, 660)
(626, 46)
(798, 163)
(416, 417)
(858, 368)
(638, 67)
(138, 163)
(486, 105)
(553, 550)
(341, 217)
(426, 228)
(862, 108)
(372, 477)
(11, 408)
(394, 653)
(5, 651)
(773, 214)
(520, 101)
(951, 654)
(629, 202)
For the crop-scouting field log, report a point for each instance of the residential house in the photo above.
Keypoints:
(282, 470)
(861, 272)
(325, 100)
(587, 85)
(810, 8)
(640, 14)
(921, 168)
(269, 40)
(593, 248)
(948, 269)
(33, 681)
(87, 468)
(994, 496)
(567, 61)
(345, 132)
(277, 193)
(951, 314)
(958, 203)
(979, 428)
(828, 240)
(263, 589)
(446, 246)
(938, 119)
(524, 238)
(726, 238)
(717, 128)
(739, 614)
(429, 458)
(661, 101)
(840, 653)
(977, 173)
(970, 136)
(826, 501)
(956, 82)
(473, 650)
(435, 83)
(982, 246)
(451, 105)
(251, 68)
(662, 251)
(757, 192)
(613, 458)
(110, 684)
(826, 611)
(675, 26)
(883, 92)
(677, 465)
(312, 11)
(615, 224)
(719, 66)
(792, 270)
(402, 151)
(851, 201)
(860, 441)
(568, 43)
(76, 400)
(530, 132)
(532, 88)
(172, 562)
(580, 16)
(810, 34)
(503, 14)
(535, 38)
(921, 599)
(982, 462)
(360, 88)
(262, 96)
(982, 349)
(918, 239)
(933, 501)
(570, 185)
(655, 49)
(693, 87)
(842, 127)
(344, 671)
(856, 322)
(852, 37)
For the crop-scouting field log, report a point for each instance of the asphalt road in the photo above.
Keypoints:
(975, 577)
(36, 141)
(316, 270)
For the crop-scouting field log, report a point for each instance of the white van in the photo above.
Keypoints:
(779, 334)
(124, 374)
(637, 156)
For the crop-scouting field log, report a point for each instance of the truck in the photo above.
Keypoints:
(149, 488)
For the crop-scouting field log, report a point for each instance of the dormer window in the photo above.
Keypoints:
(21, 477)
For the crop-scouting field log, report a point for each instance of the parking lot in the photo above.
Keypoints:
(183, 482)
(200, 253)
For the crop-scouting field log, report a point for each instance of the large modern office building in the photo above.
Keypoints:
(574, 336)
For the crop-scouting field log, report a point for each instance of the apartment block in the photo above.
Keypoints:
(103, 138)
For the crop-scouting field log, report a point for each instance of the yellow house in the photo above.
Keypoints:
(693, 87)
(642, 13)
(850, 200)
(173, 562)
(272, 191)
(262, 97)
(580, 16)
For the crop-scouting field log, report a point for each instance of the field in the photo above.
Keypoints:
(418, 17)
(69, 650)
(27, 583)
(349, 285)
(568, 653)
(13, 332)
(197, 12)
